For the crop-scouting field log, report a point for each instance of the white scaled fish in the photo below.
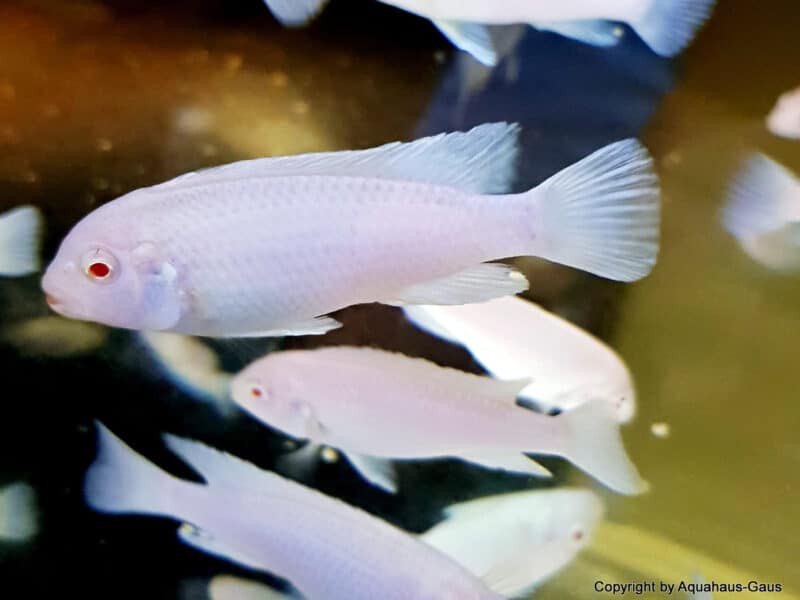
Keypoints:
(516, 541)
(325, 548)
(513, 338)
(270, 246)
(372, 404)
(20, 229)
(784, 118)
(763, 213)
(667, 26)
(18, 515)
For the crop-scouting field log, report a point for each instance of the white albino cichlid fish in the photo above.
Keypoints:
(20, 230)
(666, 26)
(763, 213)
(325, 548)
(269, 246)
(372, 404)
(784, 118)
(516, 541)
(513, 338)
(18, 515)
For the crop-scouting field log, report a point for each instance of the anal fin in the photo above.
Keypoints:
(515, 463)
(589, 31)
(315, 326)
(470, 37)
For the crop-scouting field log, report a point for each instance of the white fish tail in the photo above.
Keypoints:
(295, 13)
(18, 516)
(668, 26)
(19, 240)
(601, 214)
(122, 481)
(764, 197)
(594, 445)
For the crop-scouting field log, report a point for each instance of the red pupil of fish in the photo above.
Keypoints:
(578, 536)
(99, 270)
(257, 392)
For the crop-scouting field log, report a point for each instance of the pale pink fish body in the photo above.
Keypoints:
(325, 548)
(268, 247)
(784, 118)
(378, 404)
(514, 338)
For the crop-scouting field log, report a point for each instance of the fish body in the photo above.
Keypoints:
(18, 514)
(324, 547)
(513, 339)
(784, 118)
(378, 404)
(520, 539)
(666, 26)
(20, 232)
(269, 247)
(763, 213)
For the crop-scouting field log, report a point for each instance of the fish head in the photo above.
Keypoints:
(103, 273)
(271, 389)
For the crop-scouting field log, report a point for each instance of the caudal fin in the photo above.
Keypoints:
(594, 445)
(668, 26)
(18, 518)
(764, 197)
(295, 13)
(19, 241)
(122, 481)
(602, 213)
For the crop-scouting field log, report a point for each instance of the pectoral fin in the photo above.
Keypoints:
(470, 37)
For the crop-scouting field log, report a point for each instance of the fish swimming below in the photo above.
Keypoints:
(323, 547)
(20, 230)
(763, 213)
(18, 513)
(268, 247)
(666, 26)
(514, 338)
(374, 405)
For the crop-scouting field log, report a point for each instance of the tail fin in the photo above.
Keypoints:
(764, 197)
(18, 520)
(19, 240)
(601, 214)
(595, 446)
(122, 481)
(295, 13)
(668, 26)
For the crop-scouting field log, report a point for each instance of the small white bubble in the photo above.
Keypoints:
(660, 429)
(329, 455)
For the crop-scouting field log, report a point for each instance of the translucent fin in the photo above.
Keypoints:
(515, 463)
(510, 577)
(315, 326)
(300, 463)
(594, 445)
(205, 541)
(764, 197)
(480, 161)
(669, 26)
(295, 13)
(18, 515)
(470, 37)
(476, 284)
(122, 481)
(601, 214)
(421, 317)
(378, 471)
(20, 229)
(594, 32)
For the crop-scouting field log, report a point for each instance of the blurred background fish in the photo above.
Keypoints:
(784, 118)
(20, 231)
(19, 520)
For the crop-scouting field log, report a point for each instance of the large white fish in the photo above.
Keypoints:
(667, 26)
(763, 213)
(20, 229)
(325, 548)
(516, 541)
(784, 118)
(513, 338)
(372, 404)
(269, 246)
(18, 515)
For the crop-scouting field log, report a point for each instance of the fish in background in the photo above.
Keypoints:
(666, 26)
(18, 514)
(325, 548)
(513, 338)
(516, 541)
(763, 213)
(376, 406)
(193, 367)
(53, 336)
(784, 118)
(268, 247)
(229, 587)
(20, 230)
